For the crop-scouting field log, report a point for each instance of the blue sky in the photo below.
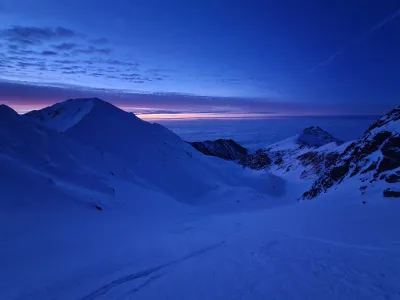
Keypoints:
(283, 57)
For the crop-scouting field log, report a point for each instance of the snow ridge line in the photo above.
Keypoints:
(124, 279)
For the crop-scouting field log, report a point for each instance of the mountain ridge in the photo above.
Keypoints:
(373, 157)
(316, 155)
(149, 150)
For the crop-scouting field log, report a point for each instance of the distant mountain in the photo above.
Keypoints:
(315, 136)
(315, 155)
(309, 153)
(371, 161)
(306, 154)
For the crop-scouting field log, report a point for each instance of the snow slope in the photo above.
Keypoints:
(153, 152)
(332, 249)
(64, 115)
(149, 241)
(61, 161)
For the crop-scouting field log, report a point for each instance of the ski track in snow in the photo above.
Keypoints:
(145, 273)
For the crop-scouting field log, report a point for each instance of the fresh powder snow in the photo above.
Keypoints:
(98, 204)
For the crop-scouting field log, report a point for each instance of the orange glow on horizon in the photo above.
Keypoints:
(138, 111)
(198, 116)
(24, 108)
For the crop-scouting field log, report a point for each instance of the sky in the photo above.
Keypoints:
(203, 59)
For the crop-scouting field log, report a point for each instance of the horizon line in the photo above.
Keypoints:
(188, 116)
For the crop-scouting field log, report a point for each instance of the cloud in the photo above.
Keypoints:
(22, 53)
(97, 74)
(29, 64)
(99, 41)
(65, 46)
(35, 35)
(33, 96)
(74, 72)
(113, 62)
(93, 50)
(357, 40)
(65, 61)
(230, 80)
(48, 53)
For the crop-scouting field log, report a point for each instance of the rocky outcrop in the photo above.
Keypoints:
(308, 153)
(301, 151)
(316, 162)
(259, 160)
(390, 117)
(375, 156)
(391, 193)
(222, 148)
(317, 155)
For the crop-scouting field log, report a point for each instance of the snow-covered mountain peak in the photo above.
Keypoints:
(7, 112)
(64, 115)
(311, 137)
(315, 136)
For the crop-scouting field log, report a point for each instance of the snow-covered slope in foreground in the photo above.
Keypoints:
(332, 249)
(147, 245)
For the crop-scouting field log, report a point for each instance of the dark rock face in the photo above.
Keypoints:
(391, 116)
(313, 159)
(315, 136)
(279, 160)
(318, 159)
(357, 158)
(391, 178)
(391, 155)
(391, 193)
(257, 161)
(225, 149)
(230, 150)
